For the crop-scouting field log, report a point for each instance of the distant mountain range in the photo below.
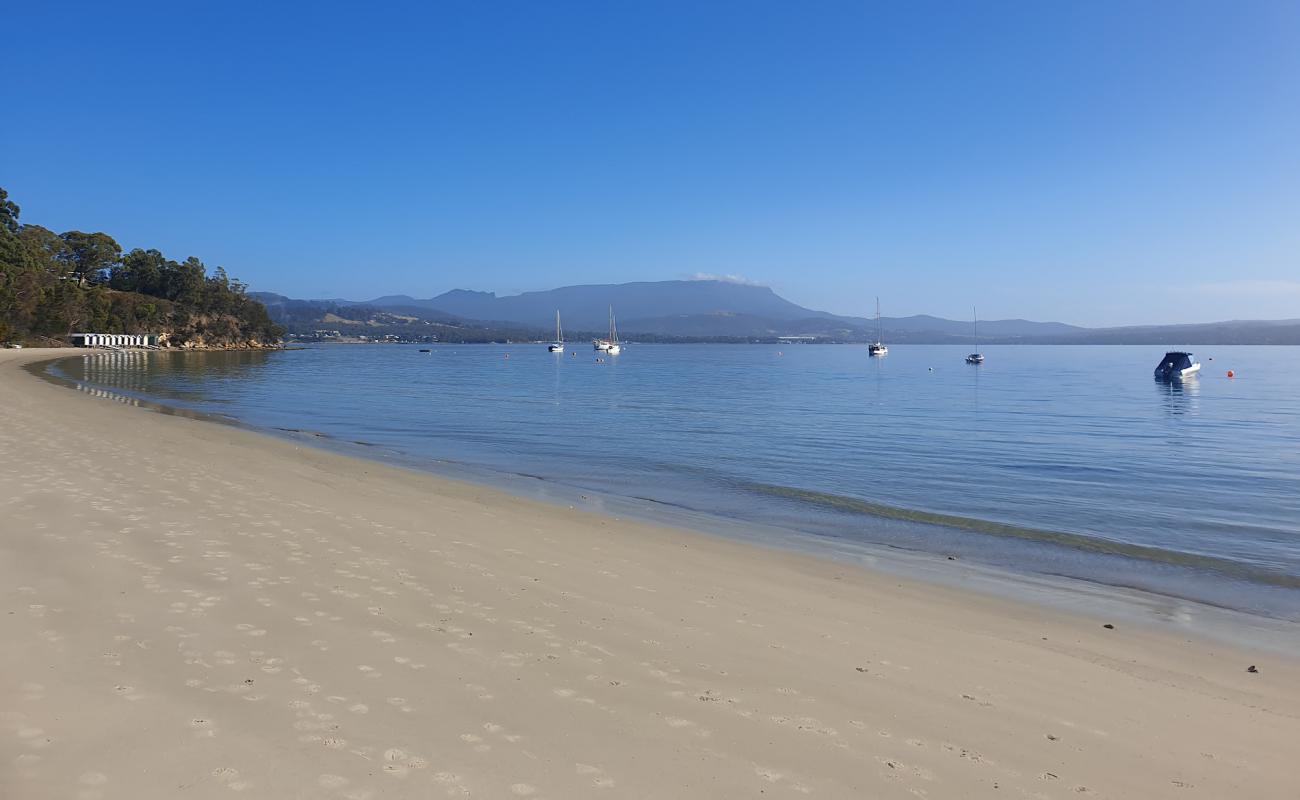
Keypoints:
(715, 310)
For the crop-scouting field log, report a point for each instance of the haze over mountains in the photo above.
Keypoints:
(715, 309)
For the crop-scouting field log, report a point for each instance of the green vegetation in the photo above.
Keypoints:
(53, 284)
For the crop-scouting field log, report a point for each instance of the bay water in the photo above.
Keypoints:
(1069, 460)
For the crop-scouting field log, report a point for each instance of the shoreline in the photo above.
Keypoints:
(201, 595)
(1127, 592)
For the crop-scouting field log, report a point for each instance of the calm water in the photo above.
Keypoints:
(1059, 460)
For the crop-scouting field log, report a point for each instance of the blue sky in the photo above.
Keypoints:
(1091, 162)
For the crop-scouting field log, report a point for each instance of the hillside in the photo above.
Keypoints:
(55, 284)
(710, 310)
(704, 308)
(330, 319)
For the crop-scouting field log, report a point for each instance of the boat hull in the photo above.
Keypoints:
(1179, 374)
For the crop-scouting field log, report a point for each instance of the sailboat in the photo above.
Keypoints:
(557, 346)
(976, 357)
(878, 348)
(611, 344)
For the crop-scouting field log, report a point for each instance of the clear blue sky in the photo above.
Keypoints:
(1092, 162)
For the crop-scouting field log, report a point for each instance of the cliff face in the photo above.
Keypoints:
(218, 332)
(200, 342)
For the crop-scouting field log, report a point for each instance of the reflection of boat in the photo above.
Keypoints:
(877, 348)
(557, 346)
(611, 344)
(1177, 365)
(976, 357)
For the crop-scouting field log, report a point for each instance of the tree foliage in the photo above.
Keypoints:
(54, 284)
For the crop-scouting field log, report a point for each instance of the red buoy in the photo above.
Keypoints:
(1231, 374)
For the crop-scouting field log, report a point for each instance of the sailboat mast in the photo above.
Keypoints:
(977, 328)
(879, 328)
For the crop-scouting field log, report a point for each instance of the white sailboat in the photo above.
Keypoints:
(878, 348)
(610, 345)
(976, 357)
(557, 346)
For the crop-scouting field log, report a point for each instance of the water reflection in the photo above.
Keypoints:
(170, 375)
(1181, 395)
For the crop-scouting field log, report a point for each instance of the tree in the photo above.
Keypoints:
(88, 254)
(8, 213)
(12, 255)
(44, 289)
(140, 271)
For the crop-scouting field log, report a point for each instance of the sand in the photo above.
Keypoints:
(190, 609)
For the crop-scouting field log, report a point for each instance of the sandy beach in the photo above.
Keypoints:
(195, 610)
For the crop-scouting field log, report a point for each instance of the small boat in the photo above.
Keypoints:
(611, 344)
(878, 348)
(976, 357)
(1177, 365)
(425, 350)
(557, 346)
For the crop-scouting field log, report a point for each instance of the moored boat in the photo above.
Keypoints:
(976, 357)
(1177, 365)
(878, 348)
(610, 345)
(557, 346)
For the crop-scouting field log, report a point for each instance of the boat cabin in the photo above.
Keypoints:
(1176, 364)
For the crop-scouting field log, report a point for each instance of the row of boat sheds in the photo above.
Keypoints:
(114, 340)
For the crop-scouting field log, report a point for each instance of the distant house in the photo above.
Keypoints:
(114, 339)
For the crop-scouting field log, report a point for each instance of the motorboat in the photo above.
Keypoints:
(1177, 365)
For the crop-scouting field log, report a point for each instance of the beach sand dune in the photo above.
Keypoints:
(193, 610)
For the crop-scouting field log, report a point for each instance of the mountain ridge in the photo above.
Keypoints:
(723, 310)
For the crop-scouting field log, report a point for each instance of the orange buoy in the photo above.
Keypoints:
(1231, 374)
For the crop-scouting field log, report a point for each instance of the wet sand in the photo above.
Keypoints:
(191, 609)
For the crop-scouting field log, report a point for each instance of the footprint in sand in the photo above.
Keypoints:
(202, 727)
(598, 777)
(230, 778)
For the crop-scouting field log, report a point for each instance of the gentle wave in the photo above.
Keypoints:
(1075, 541)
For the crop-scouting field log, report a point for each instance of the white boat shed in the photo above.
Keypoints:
(114, 339)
